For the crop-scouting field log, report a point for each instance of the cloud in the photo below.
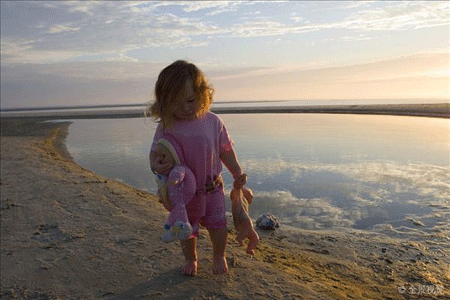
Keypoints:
(360, 37)
(218, 7)
(87, 28)
(62, 28)
(213, 7)
(392, 17)
(122, 57)
(269, 28)
(399, 16)
(95, 27)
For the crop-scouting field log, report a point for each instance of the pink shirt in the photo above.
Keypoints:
(202, 140)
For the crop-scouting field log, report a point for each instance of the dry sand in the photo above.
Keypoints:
(67, 233)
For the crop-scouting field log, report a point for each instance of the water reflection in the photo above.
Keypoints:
(312, 171)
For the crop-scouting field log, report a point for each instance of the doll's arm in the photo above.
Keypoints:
(176, 175)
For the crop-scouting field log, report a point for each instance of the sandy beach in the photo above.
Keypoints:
(68, 233)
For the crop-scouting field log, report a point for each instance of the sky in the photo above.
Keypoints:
(66, 53)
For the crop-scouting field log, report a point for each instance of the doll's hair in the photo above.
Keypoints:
(170, 89)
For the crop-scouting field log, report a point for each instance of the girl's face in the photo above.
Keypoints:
(187, 108)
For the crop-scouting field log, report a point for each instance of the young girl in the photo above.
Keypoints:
(182, 101)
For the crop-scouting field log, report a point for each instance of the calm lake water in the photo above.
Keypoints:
(313, 171)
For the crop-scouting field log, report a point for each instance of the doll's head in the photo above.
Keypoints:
(163, 155)
(183, 87)
(168, 151)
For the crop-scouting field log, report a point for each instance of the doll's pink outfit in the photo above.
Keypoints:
(181, 189)
(202, 141)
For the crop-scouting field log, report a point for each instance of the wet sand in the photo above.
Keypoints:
(67, 233)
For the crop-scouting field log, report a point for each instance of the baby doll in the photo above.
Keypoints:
(175, 188)
(240, 199)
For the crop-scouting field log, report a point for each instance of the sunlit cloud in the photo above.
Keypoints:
(399, 16)
(438, 73)
(394, 78)
(62, 28)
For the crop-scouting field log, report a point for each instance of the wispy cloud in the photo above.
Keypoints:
(62, 28)
(399, 16)
(269, 28)
(93, 27)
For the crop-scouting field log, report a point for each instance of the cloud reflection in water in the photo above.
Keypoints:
(359, 195)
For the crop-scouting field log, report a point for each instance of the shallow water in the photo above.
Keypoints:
(313, 171)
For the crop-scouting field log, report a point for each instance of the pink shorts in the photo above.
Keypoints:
(214, 217)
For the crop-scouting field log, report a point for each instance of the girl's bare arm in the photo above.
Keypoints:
(229, 159)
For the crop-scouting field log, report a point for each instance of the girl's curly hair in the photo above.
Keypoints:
(170, 90)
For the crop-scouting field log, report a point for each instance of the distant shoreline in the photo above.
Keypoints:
(437, 110)
(440, 110)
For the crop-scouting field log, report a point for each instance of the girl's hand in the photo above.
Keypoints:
(240, 180)
(161, 166)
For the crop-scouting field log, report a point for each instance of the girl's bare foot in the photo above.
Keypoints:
(190, 268)
(220, 265)
(189, 247)
(219, 242)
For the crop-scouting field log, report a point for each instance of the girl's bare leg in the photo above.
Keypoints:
(189, 248)
(219, 242)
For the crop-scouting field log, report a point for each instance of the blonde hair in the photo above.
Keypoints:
(170, 90)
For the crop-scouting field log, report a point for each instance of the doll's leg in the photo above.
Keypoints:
(178, 231)
(253, 241)
(180, 194)
(178, 213)
(177, 226)
(241, 236)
